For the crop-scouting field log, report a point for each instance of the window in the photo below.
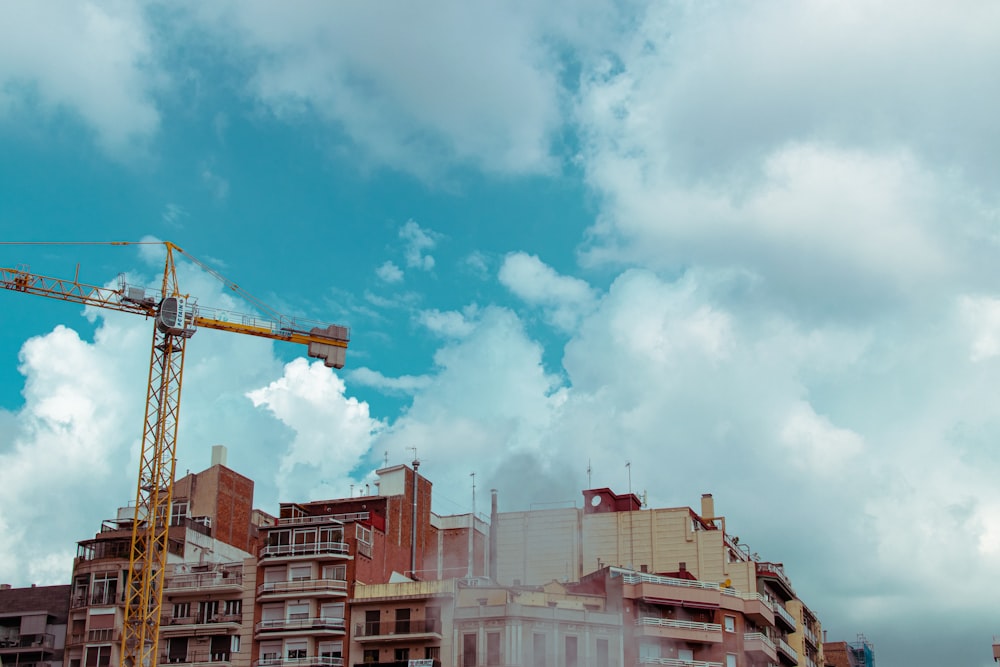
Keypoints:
(402, 621)
(333, 610)
(182, 609)
(177, 649)
(538, 649)
(571, 660)
(178, 512)
(274, 574)
(296, 649)
(298, 611)
(270, 652)
(602, 653)
(81, 585)
(685, 654)
(104, 589)
(432, 653)
(299, 572)
(370, 655)
(372, 623)
(219, 648)
(208, 611)
(492, 648)
(730, 623)
(469, 649)
(336, 572)
(730, 660)
(363, 533)
(433, 616)
(331, 649)
(234, 645)
(233, 608)
(401, 654)
(98, 656)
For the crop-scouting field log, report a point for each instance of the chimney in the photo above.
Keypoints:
(707, 506)
(218, 455)
(493, 534)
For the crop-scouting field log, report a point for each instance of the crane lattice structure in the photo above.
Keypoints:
(176, 317)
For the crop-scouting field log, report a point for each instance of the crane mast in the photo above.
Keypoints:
(176, 317)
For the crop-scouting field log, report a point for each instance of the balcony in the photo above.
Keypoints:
(32, 643)
(775, 572)
(787, 654)
(197, 659)
(311, 587)
(758, 646)
(325, 518)
(172, 626)
(780, 613)
(313, 550)
(412, 630)
(810, 637)
(308, 661)
(308, 625)
(689, 631)
(403, 663)
(676, 662)
(217, 581)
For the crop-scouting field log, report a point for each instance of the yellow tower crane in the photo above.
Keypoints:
(176, 317)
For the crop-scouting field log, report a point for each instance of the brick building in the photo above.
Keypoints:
(33, 625)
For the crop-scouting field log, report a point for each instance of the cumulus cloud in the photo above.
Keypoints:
(564, 298)
(418, 242)
(353, 68)
(92, 61)
(331, 430)
(406, 384)
(389, 273)
(449, 324)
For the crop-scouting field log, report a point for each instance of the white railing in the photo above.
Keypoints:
(674, 662)
(314, 549)
(312, 623)
(644, 578)
(759, 637)
(684, 625)
(787, 650)
(780, 611)
(309, 661)
(304, 586)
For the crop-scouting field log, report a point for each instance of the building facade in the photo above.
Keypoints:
(33, 625)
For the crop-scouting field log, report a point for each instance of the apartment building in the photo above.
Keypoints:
(470, 622)
(860, 653)
(204, 506)
(33, 625)
(806, 640)
(315, 555)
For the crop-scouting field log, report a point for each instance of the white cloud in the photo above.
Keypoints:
(816, 446)
(449, 324)
(389, 273)
(564, 298)
(331, 430)
(981, 315)
(92, 60)
(399, 81)
(406, 384)
(418, 242)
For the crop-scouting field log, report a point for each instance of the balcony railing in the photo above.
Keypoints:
(103, 635)
(304, 586)
(197, 658)
(791, 653)
(33, 641)
(325, 518)
(676, 662)
(779, 610)
(759, 637)
(412, 627)
(776, 570)
(684, 625)
(308, 661)
(201, 620)
(197, 580)
(314, 549)
(311, 623)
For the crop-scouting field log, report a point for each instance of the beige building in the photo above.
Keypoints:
(806, 641)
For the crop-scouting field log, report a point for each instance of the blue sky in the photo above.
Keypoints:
(749, 248)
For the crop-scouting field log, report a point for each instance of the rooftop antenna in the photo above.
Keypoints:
(386, 457)
(413, 521)
(631, 537)
(472, 522)
(590, 484)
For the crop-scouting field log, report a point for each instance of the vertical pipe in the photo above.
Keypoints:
(493, 535)
(413, 527)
